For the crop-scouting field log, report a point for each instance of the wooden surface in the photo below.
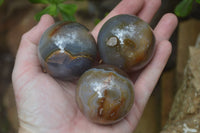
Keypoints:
(150, 121)
(188, 32)
(167, 94)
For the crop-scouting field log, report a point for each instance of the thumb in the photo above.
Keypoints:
(27, 62)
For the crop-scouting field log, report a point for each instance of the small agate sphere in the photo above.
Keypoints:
(66, 50)
(104, 94)
(127, 42)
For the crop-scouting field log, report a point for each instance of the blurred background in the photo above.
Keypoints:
(18, 16)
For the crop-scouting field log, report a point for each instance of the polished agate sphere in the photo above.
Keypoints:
(104, 94)
(127, 42)
(66, 50)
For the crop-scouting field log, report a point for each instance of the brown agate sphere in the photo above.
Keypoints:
(104, 94)
(66, 50)
(127, 42)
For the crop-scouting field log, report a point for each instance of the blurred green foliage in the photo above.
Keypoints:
(184, 8)
(198, 1)
(56, 8)
(1, 2)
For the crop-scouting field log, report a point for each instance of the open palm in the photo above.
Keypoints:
(47, 105)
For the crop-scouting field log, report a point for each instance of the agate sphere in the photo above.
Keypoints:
(66, 50)
(127, 42)
(104, 94)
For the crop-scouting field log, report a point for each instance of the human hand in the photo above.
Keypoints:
(47, 105)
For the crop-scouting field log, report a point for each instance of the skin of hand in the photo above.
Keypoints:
(47, 105)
